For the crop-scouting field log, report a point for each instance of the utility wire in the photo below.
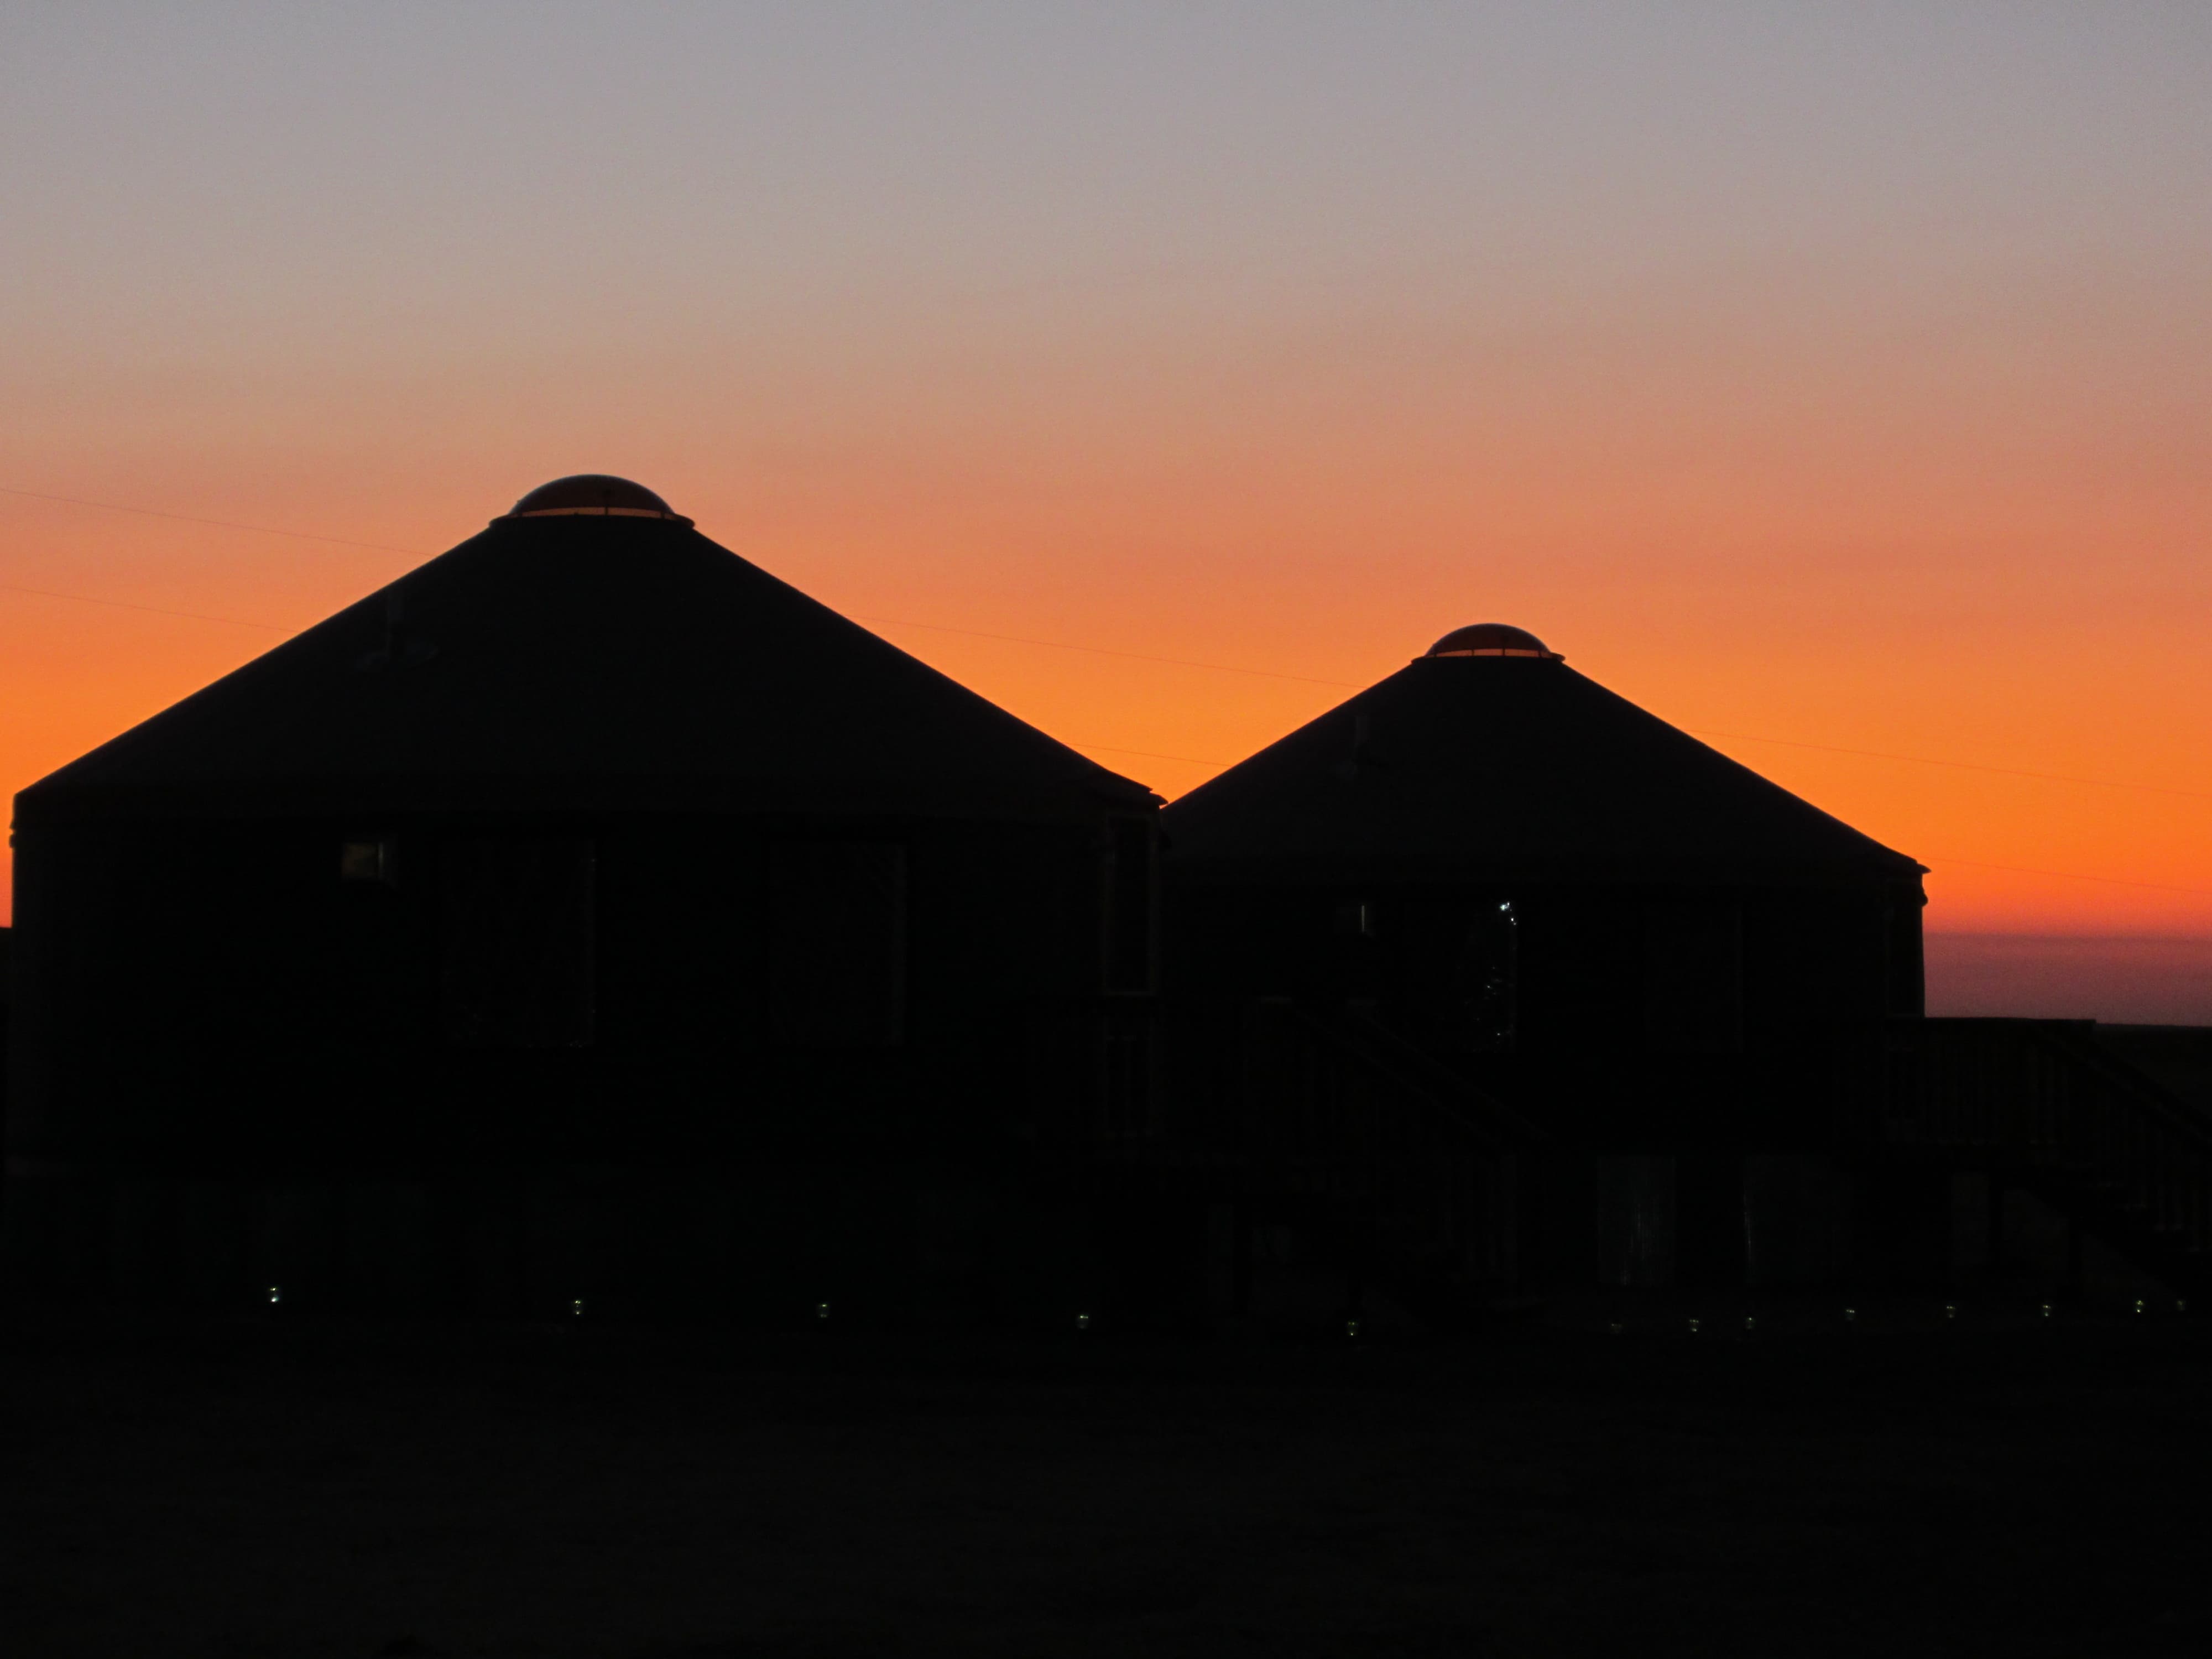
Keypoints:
(1056, 645)
(155, 609)
(1964, 766)
(1149, 754)
(1826, 748)
(1104, 651)
(1937, 861)
(219, 523)
(386, 547)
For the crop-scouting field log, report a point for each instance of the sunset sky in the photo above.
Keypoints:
(1835, 382)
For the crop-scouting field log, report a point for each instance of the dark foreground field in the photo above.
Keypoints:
(2034, 1490)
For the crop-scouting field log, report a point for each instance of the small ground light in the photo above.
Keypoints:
(1851, 1316)
(1751, 1322)
(1694, 1326)
(1352, 1328)
(1950, 1310)
(275, 1295)
(1082, 1321)
(1615, 1327)
(822, 1310)
(2047, 1310)
(2139, 1304)
(576, 1307)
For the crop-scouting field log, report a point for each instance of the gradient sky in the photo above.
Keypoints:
(1834, 374)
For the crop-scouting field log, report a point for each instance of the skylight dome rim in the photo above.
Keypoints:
(1492, 640)
(592, 495)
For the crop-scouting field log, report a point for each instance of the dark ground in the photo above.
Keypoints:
(2021, 1488)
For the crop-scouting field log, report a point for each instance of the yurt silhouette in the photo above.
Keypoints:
(587, 917)
(1678, 970)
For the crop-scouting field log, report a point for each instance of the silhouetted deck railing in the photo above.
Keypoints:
(2042, 1098)
(1326, 1103)
(1283, 1103)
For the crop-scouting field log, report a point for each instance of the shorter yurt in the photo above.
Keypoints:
(588, 920)
(1658, 983)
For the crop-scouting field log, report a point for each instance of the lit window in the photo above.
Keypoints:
(1489, 980)
(367, 860)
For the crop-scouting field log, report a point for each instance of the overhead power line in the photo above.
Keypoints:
(412, 552)
(1104, 651)
(1149, 754)
(219, 523)
(1060, 645)
(154, 609)
(1937, 861)
(1964, 766)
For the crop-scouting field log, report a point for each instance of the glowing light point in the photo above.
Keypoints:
(1851, 1316)
(1696, 1326)
(577, 1307)
(822, 1310)
(275, 1295)
(1352, 1328)
(1082, 1321)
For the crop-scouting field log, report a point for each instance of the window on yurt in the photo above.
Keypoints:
(1129, 906)
(366, 860)
(1487, 1004)
(1635, 1220)
(836, 942)
(1693, 977)
(518, 945)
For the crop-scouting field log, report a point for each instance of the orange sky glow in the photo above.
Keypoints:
(1840, 385)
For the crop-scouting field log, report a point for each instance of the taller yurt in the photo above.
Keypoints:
(587, 920)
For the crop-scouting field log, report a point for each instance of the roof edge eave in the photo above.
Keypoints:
(235, 800)
(1243, 870)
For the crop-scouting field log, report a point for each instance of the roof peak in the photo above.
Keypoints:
(1490, 640)
(589, 665)
(593, 494)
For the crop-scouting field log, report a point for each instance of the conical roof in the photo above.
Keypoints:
(1491, 758)
(596, 653)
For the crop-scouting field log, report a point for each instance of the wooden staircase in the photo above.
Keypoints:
(1326, 1109)
(2041, 1104)
(1323, 1112)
